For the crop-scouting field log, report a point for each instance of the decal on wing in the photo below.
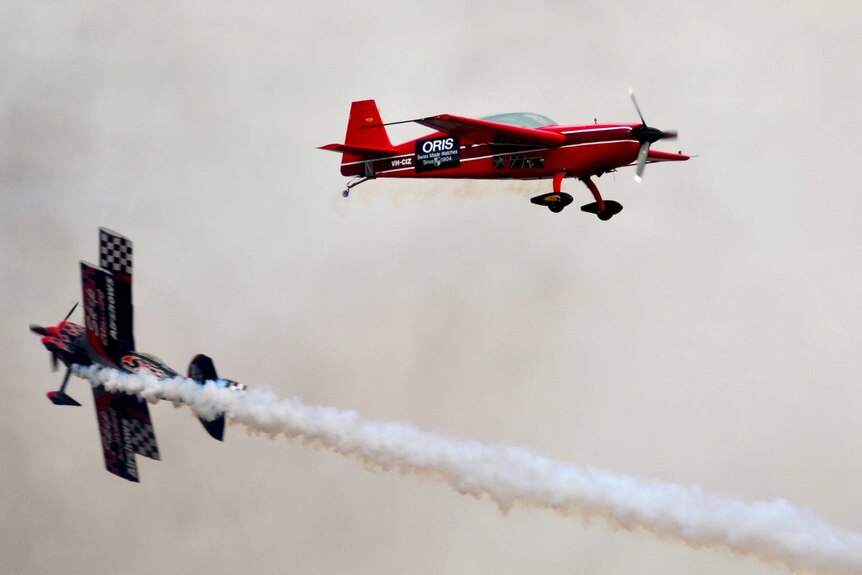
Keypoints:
(126, 429)
(95, 301)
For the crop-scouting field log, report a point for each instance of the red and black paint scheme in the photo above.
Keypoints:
(519, 146)
(107, 339)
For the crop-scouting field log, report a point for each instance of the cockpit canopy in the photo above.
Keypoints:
(521, 119)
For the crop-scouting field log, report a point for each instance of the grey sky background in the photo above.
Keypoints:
(707, 335)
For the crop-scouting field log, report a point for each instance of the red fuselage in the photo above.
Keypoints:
(587, 151)
(69, 343)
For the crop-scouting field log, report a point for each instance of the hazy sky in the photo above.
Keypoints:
(707, 335)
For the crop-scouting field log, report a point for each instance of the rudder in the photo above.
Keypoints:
(365, 126)
(366, 136)
(202, 369)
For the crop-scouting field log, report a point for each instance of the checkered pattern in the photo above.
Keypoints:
(141, 438)
(115, 252)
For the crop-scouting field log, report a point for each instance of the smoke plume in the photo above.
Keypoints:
(773, 531)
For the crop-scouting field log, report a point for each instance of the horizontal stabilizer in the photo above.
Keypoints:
(368, 151)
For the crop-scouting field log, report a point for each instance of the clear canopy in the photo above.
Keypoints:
(521, 119)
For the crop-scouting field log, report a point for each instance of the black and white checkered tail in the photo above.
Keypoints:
(115, 252)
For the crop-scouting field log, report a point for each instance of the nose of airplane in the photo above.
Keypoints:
(49, 340)
(39, 330)
(652, 135)
(48, 333)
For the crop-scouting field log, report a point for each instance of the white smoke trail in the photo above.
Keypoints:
(773, 531)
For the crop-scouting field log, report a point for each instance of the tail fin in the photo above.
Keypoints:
(365, 126)
(366, 135)
(202, 369)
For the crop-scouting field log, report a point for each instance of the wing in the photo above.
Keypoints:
(659, 156)
(472, 131)
(95, 298)
(115, 257)
(107, 296)
(126, 430)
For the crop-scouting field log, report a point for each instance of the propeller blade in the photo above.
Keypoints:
(646, 133)
(642, 158)
(68, 315)
(637, 108)
(39, 330)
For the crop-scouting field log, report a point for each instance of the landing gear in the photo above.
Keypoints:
(554, 202)
(59, 397)
(604, 209)
(558, 200)
(611, 208)
(353, 183)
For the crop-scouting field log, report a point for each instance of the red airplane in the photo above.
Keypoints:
(520, 146)
(107, 339)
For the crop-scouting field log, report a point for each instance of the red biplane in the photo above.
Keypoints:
(107, 339)
(519, 146)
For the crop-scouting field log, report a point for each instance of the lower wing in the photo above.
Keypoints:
(126, 430)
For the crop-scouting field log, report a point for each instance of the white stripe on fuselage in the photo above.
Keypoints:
(530, 151)
(581, 131)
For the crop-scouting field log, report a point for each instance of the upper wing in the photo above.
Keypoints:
(95, 297)
(126, 429)
(107, 296)
(472, 131)
(115, 257)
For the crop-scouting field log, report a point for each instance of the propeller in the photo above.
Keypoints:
(646, 135)
(68, 315)
(39, 330)
(43, 331)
